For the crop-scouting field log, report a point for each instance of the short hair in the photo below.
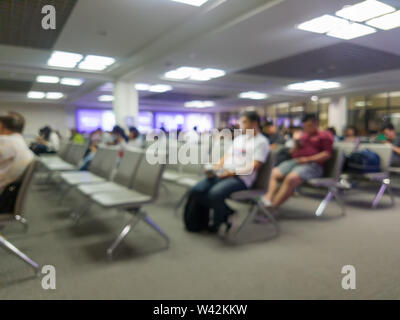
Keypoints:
(354, 128)
(13, 121)
(332, 130)
(269, 123)
(252, 116)
(309, 117)
(388, 126)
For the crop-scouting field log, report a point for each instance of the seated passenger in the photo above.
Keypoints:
(135, 139)
(310, 153)
(15, 155)
(230, 174)
(351, 134)
(48, 141)
(393, 140)
(274, 136)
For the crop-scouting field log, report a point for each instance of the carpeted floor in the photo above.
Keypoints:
(304, 262)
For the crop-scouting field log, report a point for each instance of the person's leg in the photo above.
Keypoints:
(291, 181)
(277, 174)
(216, 198)
(297, 176)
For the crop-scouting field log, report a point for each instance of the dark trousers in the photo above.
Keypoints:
(212, 194)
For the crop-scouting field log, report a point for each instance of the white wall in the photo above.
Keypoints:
(38, 115)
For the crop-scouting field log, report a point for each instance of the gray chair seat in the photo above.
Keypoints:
(75, 178)
(89, 189)
(60, 166)
(394, 170)
(129, 198)
(170, 175)
(376, 176)
(322, 182)
(189, 181)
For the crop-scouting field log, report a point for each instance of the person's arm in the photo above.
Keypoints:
(255, 166)
(327, 147)
(396, 149)
(319, 157)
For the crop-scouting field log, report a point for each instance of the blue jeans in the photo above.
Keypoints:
(212, 193)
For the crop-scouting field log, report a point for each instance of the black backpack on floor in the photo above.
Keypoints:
(8, 197)
(196, 216)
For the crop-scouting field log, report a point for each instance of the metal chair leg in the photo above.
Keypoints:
(143, 215)
(180, 202)
(380, 193)
(340, 201)
(324, 203)
(80, 213)
(10, 247)
(122, 236)
(64, 195)
(271, 217)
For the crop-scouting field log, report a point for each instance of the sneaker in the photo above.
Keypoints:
(266, 203)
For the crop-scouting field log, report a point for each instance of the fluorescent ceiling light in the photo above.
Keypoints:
(71, 82)
(322, 24)
(199, 104)
(196, 3)
(64, 59)
(314, 85)
(182, 73)
(96, 63)
(387, 22)
(160, 88)
(47, 79)
(54, 95)
(351, 31)
(106, 98)
(253, 95)
(142, 87)
(195, 74)
(207, 74)
(365, 10)
(35, 95)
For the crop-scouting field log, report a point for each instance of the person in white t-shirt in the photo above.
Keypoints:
(236, 170)
(48, 141)
(15, 155)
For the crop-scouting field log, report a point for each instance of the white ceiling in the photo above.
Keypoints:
(150, 37)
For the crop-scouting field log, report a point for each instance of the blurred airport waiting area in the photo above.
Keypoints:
(242, 150)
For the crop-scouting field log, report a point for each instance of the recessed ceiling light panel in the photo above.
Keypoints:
(47, 79)
(64, 59)
(196, 3)
(71, 82)
(365, 10)
(36, 95)
(54, 95)
(322, 24)
(351, 31)
(106, 98)
(387, 22)
(253, 95)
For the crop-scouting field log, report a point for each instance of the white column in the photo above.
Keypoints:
(217, 120)
(337, 114)
(126, 104)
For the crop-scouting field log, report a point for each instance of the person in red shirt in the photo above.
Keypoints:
(312, 149)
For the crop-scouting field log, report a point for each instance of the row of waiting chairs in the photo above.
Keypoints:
(123, 184)
(135, 182)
